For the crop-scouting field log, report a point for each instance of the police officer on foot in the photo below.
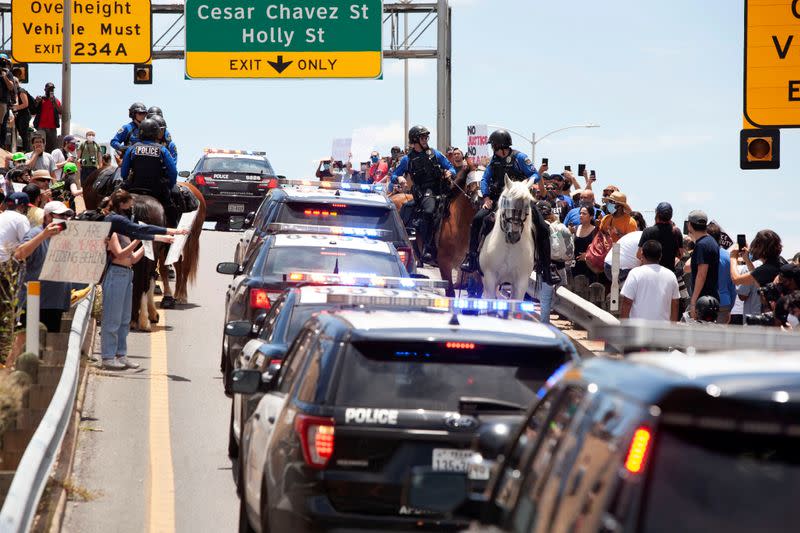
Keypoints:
(152, 169)
(427, 167)
(505, 162)
(128, 135)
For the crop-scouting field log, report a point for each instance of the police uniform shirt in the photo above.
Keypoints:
(522, 164)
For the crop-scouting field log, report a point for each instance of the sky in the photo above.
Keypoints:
(663, 80)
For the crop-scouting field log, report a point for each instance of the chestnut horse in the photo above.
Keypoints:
(143, 308)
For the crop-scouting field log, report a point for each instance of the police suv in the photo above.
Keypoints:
(233, 182)
(268, 271)
(319, 203)
(276, 328)
(364, 396)
(659, 441)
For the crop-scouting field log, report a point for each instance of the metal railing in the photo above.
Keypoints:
(33, 471)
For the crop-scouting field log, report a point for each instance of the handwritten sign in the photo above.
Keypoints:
(176, 248)
(477, 137)
(77, 254)
(148, 247)
(341, 150)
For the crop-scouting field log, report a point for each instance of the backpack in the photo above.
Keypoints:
(558, 246)
(107, 182)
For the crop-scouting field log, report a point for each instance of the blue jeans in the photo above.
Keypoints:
(116, 322)
(544, 294)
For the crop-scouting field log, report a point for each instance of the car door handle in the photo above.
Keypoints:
(271, 420)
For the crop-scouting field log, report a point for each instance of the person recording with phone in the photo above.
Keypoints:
(48, 116)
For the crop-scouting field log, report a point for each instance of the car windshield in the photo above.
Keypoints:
(340, 215)
(704, 480)
(285, 260)
(423, 375)
(244, 165)
(301, 314)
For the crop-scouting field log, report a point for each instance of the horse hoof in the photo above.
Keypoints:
(157, 291)
(168, 302)
(154, 319)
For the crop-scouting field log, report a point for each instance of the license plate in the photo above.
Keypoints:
(235, 208)
(478, 471)
(447, 460)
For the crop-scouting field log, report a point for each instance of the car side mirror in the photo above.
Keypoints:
(247, 223)
(238, 328)
(245, 381)
(437, 491)
(281, 177)
(183, 173)
(231, 269)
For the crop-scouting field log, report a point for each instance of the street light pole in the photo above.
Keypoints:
(533, 140)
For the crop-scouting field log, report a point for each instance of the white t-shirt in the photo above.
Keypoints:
(652, 289)
(628, 246)
(13, 227)
(58, 158)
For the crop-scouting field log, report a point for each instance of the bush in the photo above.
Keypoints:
(10, 274)
(12, 388)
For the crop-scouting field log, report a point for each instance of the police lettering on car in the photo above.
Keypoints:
(360, 415)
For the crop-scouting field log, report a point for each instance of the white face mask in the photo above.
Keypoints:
(792, 321)
(90, 138)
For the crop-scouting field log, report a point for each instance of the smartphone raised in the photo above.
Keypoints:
(686, 227)
(741, 240)
(63, 225)
(544, 161)
(592, 175)
(568, 168)
(581, 169)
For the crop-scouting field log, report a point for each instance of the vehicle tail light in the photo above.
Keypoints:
(268, 184)
(202, 180)
(317, 437)
(460, 345)
(637, 453)
(259, 298)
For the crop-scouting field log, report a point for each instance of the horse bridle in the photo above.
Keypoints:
(510, 216)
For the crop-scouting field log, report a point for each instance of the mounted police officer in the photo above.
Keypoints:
(505, 162)
(162, 139)
(155, 111)
(128, 135)
(427, 167)
(151, 169)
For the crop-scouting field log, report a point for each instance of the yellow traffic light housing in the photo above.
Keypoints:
(143, 74)
(20, 70)
(759, 149)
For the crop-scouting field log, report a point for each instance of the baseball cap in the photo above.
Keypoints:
(544, 208)
(41, 175)
(57, 208)
(664, 210)
(17, 199)
(69, 139)
(19, 156)
(698, 218)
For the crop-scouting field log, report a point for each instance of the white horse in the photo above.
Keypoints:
(507, 255)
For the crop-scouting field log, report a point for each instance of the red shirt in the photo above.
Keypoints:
(378, 171)
(47, 114)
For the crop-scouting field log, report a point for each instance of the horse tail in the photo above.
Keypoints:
(191, 251)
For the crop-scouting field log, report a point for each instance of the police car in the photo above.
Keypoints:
(659, 441)
(268, 271)
(276, 329)
(315, 203)
(233, 182)
(364, 396)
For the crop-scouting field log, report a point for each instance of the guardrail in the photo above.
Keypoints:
(33, 471)
(585, 314)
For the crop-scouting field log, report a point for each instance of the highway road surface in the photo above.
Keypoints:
(152, 450)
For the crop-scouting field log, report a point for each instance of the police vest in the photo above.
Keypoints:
(147, 167)
(424, 169)
(506, 165)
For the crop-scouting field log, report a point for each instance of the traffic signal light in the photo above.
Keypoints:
(143, 74)
(20, 70)
(759, 149)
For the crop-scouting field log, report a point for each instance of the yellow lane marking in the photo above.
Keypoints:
(162, 485)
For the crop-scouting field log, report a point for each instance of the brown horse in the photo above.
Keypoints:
(143, 308)
(452, 241)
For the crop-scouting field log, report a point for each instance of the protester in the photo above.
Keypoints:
(607, 192)
(39, 159)
(704, 263)
(586, 199)
(48, 116)
(55, 296)
(66, 154)
(8, 97)
(767, 248)
(667, 235)
(14, 224)
(641, 223)
(727, 290)
(23, 113)
(90, 156)
(43, 180)
(562, 249)
(72, 184)
(619, 221)
(35, 211)
(584, 233)
(748, 301)
(378, 171)
(650, 291)
(628, 256)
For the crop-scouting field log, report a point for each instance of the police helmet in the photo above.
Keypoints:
(707, 308)
(154, 111)
(500, 139)
(148, 130)
(162, 124)
(136, 107)
(416, 132)
(70, 168)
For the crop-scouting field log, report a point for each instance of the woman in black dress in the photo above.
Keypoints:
(584, 234)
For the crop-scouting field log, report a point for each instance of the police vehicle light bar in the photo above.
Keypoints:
(455, 305)
(361, 280)
(327, 230)
(232, 152)
(335, 185)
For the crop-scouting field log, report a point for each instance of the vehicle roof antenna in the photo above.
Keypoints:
(454, 320)
(336, 266)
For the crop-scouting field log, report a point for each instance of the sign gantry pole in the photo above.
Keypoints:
(66, 71)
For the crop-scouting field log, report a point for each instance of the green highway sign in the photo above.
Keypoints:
(284, 39)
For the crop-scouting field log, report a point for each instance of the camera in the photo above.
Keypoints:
(763, 319)
(771, 291)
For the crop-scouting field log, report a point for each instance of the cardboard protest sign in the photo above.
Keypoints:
(477, 149)
(176, 248)
(341, 150)
(77, 254)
